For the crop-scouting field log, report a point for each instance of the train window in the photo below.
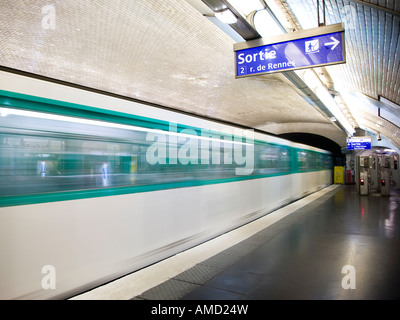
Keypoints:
(284, 159)
(302, 160)
(272, 159)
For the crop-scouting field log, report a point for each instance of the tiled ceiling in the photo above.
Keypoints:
(372, 43)
(165, 52)
(372, 69)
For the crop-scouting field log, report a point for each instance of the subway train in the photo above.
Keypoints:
(94, 186)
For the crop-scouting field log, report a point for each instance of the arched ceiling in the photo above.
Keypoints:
(369, 82)
(168, 53)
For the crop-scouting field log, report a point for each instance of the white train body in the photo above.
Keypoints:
(58, 244)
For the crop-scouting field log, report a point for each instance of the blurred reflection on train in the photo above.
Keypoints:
(46, 155)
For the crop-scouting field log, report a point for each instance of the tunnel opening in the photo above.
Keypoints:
(339, 159)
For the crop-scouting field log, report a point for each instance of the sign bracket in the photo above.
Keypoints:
(320, 24)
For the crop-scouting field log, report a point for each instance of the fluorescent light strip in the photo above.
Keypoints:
(226, 16)
(315, 84)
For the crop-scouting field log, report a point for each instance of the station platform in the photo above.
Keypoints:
(331, 245)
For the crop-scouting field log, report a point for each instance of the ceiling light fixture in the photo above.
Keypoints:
(226, 16)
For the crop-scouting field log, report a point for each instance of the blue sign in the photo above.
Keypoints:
(359, 143)
(306, 52)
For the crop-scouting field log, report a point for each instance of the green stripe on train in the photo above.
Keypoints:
(8, 201)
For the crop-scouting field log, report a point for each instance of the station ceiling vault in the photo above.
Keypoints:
(175, 54)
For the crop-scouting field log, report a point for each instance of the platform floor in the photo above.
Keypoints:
(339, 245)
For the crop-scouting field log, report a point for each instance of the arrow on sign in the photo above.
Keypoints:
(334, 43)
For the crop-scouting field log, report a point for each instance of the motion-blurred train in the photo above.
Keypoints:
(95, 186)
